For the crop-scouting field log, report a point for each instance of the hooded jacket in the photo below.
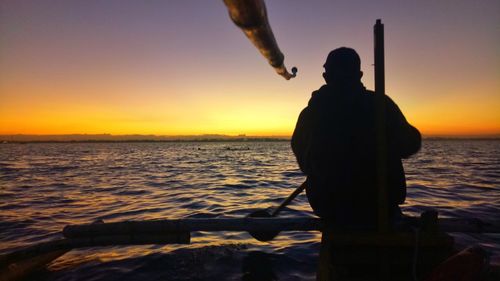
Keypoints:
(335, 145)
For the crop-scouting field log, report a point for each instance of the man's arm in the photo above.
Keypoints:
(405, 138)
(300, 139)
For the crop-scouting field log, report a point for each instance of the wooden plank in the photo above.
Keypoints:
(172, 226)
(248, 224)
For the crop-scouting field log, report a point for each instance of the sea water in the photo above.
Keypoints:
(45, 186)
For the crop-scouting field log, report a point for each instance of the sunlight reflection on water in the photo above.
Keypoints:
(46, 186)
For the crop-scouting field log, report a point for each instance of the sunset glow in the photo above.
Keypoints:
(183, 68)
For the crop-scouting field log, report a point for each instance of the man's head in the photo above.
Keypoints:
(342, 66)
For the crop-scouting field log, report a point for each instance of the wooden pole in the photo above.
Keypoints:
(168, 232)
(381, 141)
(161, 227)
(187, 225)
(380, 123)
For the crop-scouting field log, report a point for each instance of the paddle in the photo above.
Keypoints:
(268, 236)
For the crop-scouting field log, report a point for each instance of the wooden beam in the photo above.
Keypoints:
(162, 227)
(188, 225)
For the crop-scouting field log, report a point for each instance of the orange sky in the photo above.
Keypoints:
(182, 67)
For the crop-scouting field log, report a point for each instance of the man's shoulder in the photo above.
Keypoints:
(322, 90)
(317, 95)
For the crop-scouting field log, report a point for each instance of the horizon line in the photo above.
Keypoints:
(84, 137)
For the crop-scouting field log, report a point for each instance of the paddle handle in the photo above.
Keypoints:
(289, 199)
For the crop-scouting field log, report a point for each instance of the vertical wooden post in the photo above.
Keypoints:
(381, 142)
(383, 220)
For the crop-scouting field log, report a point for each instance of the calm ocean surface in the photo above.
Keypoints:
(44, 187)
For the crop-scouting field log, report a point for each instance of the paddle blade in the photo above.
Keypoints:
(263, 236)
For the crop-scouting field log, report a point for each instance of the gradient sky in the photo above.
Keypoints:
(182, 67)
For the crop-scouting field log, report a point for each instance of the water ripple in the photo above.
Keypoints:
(47, 186)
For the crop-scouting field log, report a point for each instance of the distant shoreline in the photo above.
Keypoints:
(151, 141)
(108, 138)
(217, 140)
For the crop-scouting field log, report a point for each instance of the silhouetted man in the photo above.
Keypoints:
(335, 145)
